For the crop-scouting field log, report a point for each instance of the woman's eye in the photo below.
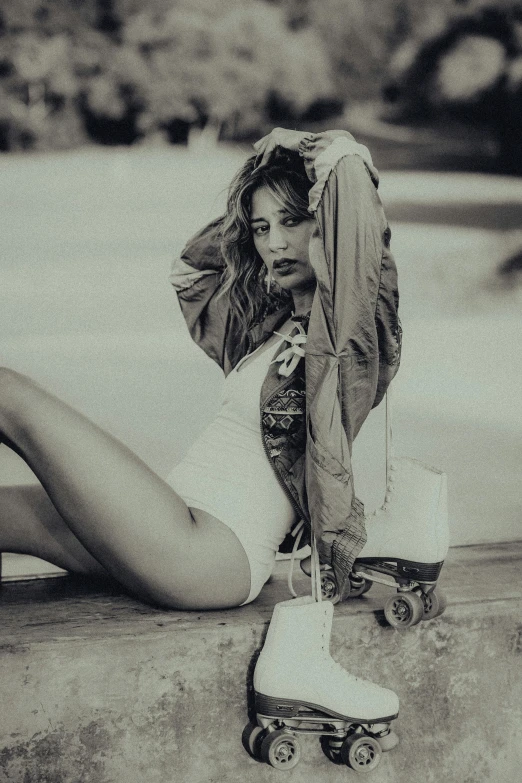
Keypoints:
(259, 230)
(293, 221)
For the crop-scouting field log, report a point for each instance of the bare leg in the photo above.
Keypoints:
(30, 525)
(115, 509)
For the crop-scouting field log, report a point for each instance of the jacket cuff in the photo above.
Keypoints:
(327, 160)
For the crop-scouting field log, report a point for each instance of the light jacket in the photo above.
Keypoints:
(310, 419)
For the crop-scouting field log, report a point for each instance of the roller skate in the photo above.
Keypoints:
(408, 539)
(300, 690)
(407, 543)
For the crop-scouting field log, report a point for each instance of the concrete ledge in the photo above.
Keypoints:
(96, 687)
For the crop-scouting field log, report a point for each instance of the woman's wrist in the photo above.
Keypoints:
(325, 156)
(313, 145)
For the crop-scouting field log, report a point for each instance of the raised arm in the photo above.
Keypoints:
(348, 210)
(351, 253)
(353, 346)
(354, 338)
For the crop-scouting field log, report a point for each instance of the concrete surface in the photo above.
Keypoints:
(99, 688)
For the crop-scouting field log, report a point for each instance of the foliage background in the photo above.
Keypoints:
(74, 72)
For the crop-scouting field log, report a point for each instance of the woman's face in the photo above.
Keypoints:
(282, 241)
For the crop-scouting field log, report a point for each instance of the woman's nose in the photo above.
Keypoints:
(277, 240)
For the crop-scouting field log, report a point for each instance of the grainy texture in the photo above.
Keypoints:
(99, 688)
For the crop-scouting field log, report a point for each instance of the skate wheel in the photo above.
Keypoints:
(329, 587)
(331, 747)
(389, 741)
(404, 610)
(361, 753)
(358, 585)
(280, 749)
(251, 739)
(434, 604)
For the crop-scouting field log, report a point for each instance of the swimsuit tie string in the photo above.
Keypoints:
(292, 355)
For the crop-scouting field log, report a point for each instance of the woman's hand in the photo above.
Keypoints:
(280, 137)
(308, 145)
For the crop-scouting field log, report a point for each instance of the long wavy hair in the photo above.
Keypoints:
(245, 272)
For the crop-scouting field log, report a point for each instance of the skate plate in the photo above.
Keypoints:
(274, 708)
(417, 596)
(423, 573)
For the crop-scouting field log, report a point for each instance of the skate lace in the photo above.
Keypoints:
(316, 571)
(317, 594)
(329, 662)
(298, 533)
(336, 667)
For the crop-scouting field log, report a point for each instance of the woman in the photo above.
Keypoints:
(204, 541)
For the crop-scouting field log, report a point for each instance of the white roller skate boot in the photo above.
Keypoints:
(408, 539)
(299, 688)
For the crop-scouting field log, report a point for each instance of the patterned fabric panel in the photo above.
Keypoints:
(284, 430)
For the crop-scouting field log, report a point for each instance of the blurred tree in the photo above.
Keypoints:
(37, 89)
(107, 18)
(139, 69)
(49, 16)
(125, 70)
(224, 70)
(469, 71)
(265, 62)
(109, 99)
(356, 36)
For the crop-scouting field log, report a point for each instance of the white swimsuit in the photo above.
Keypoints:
(227, 473)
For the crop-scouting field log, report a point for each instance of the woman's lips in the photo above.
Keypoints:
(284, 267)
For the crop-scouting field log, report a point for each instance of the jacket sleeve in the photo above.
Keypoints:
(196, 278)
(351, 353)
(387, 321)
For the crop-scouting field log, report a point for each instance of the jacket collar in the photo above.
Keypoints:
(261, 332)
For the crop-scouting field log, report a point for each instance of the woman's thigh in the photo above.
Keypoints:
(124, 515)
(214, 571)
